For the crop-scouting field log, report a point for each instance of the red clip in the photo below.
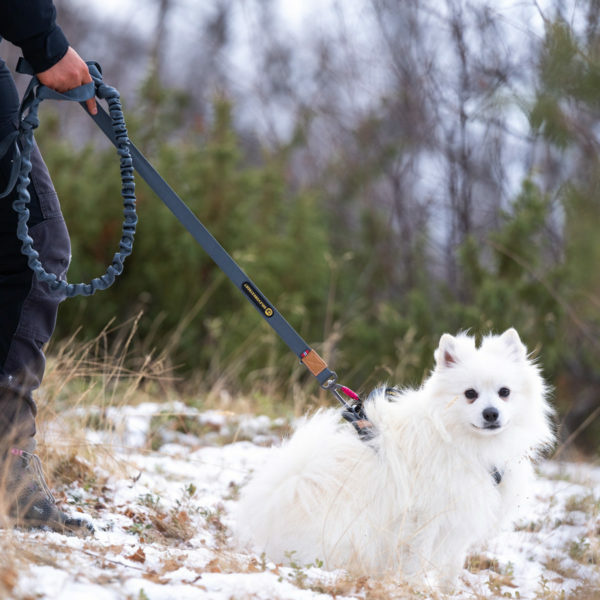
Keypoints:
(349, 392)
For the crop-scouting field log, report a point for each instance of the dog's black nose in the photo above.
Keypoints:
(490, 414)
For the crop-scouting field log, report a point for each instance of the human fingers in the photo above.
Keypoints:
(91, 106)
(68, 73)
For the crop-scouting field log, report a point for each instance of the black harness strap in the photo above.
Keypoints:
(496, 475)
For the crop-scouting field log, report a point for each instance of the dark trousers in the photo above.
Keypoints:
(27, 307)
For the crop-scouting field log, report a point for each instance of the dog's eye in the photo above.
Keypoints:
(504, 392)
(471, 394)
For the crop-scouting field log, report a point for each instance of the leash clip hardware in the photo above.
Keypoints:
(339, 391)
(330, 383)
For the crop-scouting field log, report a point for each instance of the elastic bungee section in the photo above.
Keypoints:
(22, 143)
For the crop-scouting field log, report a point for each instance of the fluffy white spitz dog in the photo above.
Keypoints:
(449, 463)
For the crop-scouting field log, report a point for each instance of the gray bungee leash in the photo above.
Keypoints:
(113, 126)
(21, 144)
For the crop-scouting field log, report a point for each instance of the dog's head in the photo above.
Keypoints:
(489, 389)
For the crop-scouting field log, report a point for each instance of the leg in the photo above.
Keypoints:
(27, 308)
(27, 319)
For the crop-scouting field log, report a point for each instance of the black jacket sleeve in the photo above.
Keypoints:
(31, 24)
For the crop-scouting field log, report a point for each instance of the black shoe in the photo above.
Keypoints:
(31, 504)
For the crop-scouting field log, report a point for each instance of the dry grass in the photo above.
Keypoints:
(11, 565)
(85, 382)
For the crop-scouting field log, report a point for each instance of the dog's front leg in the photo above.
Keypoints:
(449, 573)
(440, 557)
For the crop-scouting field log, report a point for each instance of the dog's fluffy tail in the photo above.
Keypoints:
(281, 499)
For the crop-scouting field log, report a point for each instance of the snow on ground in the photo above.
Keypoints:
(160, 489)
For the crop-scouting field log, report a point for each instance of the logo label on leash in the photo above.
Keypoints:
(255, 296)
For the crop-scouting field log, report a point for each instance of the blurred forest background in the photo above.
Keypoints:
(387, 172)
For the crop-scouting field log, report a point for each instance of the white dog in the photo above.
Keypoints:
(448, 464)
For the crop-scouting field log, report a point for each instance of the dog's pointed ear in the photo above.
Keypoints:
(513, 342)
(445, 355)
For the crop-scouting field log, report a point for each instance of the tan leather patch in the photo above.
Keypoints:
(314, 363)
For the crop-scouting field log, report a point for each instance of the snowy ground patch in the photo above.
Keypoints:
(161, 501)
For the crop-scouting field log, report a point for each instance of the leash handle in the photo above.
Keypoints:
(22, 143)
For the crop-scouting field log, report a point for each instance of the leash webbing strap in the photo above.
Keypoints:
(313, 362)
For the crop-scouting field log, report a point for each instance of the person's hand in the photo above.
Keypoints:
(68, 73)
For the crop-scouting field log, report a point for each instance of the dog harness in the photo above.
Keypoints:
(496, 475)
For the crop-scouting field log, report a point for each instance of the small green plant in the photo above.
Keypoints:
(588, 504)
(149, 500)
(578, 549)
(531, 526)
(139, 529)
(585, 551)
(476, 563)
(263, 561)
(298, 575)
(214, 523)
